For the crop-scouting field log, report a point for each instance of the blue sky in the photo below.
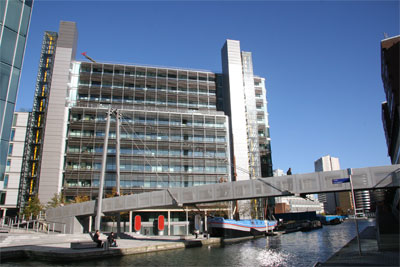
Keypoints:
(321, 61)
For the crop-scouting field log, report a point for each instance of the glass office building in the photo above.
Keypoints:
(14, 23)
(178, 127)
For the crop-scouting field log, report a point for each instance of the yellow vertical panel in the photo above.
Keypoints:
(31, 188)
(37, 136)
(34, 153)
(33, 169)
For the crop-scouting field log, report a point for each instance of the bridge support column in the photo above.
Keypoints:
(4, 215)
(169, 222)
(90, 224)
(130, 221)
(205, 221)
(187, 222)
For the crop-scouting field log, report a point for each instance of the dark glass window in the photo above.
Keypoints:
(6, 181)
(4, 78)
(10, 149)
(20, 52)
(12, 135)
(25, 20)
(2, 198)
(13, 14)
(7, 46)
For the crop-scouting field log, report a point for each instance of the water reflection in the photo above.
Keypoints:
(295, 249)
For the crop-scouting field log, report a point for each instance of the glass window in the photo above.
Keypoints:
(12, 135)
(2, 8)
(19, 54)
(14, 9)
(5, 181)
(2, 198)
(15, 117)
(10, 149)
(7, 46)
(4, 77)
(12, 93)
(8, 165)
(25, 20)
(7, 122)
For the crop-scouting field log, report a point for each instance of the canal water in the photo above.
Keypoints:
(294, 249)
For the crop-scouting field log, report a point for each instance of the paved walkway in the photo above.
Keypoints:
(370, 255)
(57, 247)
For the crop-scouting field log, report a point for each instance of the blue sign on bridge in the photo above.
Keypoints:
(340, 180)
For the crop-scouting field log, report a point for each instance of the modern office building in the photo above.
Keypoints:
(177, 127)
(14, 23)
(390, 108)
(9, 186)
(333, 201)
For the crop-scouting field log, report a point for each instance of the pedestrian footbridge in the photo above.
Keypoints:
(298, 184)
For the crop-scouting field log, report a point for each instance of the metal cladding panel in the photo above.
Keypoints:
(88, 207)
(176, 193)
(58, 212)
(119, 203)
(205, 193)
(107, 205)
(327, 177)
(242, 189)
(70, 211)
(233, 73)
(188, 195)
(361, 178)
(268, 186)
(131, 201)
(384, 175)
(285, 183)
(307, 182)
(50, 213)
(158, 198)
(144, 200)
(223, 191)
(258, 187)
(387, 176)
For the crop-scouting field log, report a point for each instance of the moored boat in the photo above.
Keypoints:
(227, 228)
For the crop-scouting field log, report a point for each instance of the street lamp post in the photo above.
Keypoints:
(350, 173)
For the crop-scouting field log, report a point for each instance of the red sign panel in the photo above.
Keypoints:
(138, 223)
(161, 223)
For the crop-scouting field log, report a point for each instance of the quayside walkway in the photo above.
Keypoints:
(56, 247)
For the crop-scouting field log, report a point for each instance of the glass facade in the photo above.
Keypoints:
(14, 22)
(171, 134)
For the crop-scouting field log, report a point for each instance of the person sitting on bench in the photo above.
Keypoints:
(96, 238)
(111, 240)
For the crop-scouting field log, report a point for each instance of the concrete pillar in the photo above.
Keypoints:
(169, 222)
(130, 221)
(90, 224)
(205, 221)
(4, 215)
(187, 222)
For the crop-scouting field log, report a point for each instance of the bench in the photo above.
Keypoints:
(83, 245)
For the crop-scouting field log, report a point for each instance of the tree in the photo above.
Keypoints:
(56, 201)
(33, 207)
(80, 199)
(113, 193)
